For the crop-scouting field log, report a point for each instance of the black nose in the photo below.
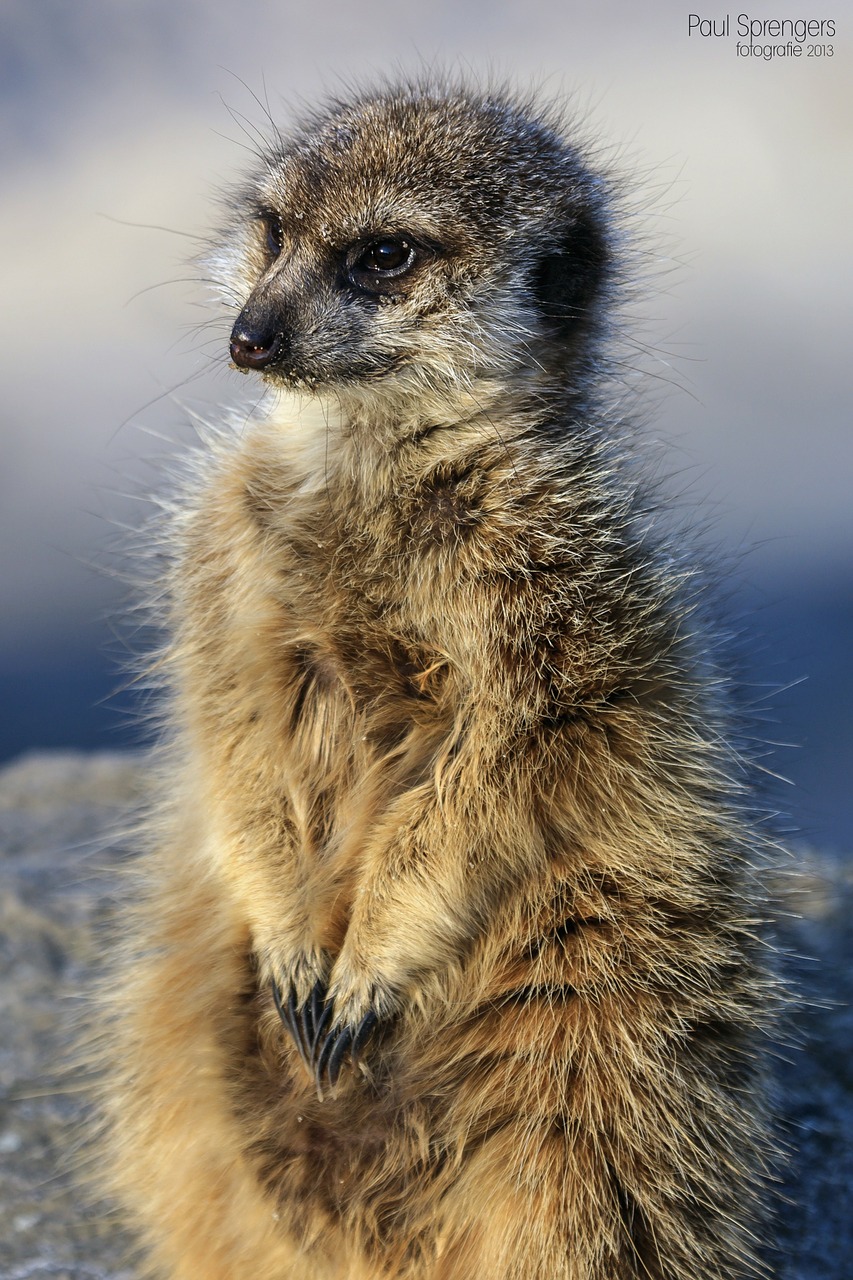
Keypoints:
(253, 348)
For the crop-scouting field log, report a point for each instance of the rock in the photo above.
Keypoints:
(61, 817)
(64, 819)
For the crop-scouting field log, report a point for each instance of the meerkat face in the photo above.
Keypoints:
(413, 240)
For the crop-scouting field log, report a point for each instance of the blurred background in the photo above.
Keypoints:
(120, 119)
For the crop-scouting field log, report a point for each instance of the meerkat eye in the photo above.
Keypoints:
(274, 233)
(386, 255)
(381, 260)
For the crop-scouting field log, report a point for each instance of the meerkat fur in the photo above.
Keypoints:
(445, 961)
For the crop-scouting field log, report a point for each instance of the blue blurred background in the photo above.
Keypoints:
(135, 113)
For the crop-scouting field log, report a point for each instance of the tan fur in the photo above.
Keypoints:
(445, 734)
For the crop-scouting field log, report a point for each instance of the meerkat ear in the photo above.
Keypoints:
(568, 279)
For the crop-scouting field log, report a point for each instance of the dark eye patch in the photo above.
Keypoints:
(567, 280)
(273, 231)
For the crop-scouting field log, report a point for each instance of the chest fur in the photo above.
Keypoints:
(305, 658)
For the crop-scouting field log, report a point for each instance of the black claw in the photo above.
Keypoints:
(288, 1014)
(318, 1006)
(338, 1054)
(321, 1026)
(306, 1026)
(363, 1034)
(293, 1021)
(325, 1054)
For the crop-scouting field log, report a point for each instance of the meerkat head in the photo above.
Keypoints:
(418, 241)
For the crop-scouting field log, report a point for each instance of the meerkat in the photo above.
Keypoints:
(447, 963)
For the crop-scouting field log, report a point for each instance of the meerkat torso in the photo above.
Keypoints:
(447, 964)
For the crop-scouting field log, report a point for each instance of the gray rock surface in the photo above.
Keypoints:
(61, 849)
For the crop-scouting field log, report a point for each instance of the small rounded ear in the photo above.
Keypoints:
(568, 279)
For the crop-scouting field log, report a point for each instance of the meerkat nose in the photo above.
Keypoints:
(253, 349)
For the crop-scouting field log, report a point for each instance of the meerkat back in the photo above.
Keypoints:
(445, 963)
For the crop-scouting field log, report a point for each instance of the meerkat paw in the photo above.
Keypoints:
(341, 1040)
(354, 1016)
(305, 1020)
(328, 1022)
(323, 1041)
(299, 995)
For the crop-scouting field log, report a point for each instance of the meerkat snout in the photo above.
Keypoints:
(254, 347)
